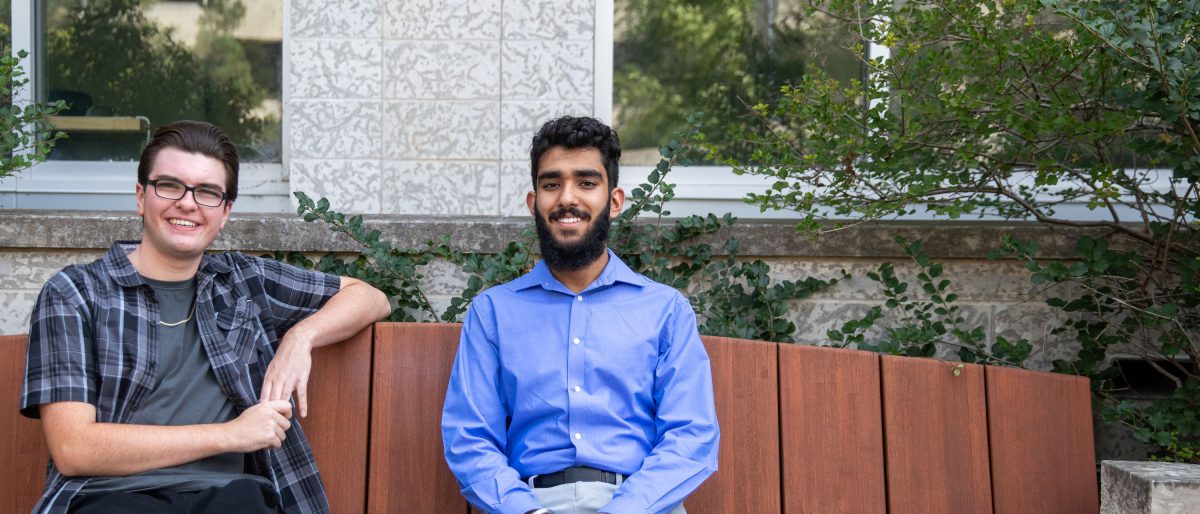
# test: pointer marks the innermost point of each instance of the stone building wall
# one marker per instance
(997, 295)
(427, 107)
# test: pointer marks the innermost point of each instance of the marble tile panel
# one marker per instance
(327, 129)
(15, 308)
(30, 270)
(351, 186)
(515, 183)
(335, 69)
(547, 70)
(440, 187)
(520, 120)
(335, 18)
(550, 19)
(467, 130)
(442, 70)
(442, 19)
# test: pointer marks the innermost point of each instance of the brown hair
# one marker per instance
(199, 137)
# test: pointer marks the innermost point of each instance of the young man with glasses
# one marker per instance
(163, 374)
(582, 386)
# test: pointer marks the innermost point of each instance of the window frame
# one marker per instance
(109, 185)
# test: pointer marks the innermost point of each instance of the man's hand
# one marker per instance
(264, 425)
(288, 372)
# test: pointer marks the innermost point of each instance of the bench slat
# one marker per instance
(744, 386)
(1040, 430)
(22, 444)
(338, 417)
(832, 433)
(408, 471)
(935, 434)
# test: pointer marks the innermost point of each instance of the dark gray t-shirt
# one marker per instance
(187, 394)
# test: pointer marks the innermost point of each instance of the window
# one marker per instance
(127, 67)
(670, 58)
(720, 57)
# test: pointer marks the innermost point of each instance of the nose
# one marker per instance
(568, 197)
(188, 201)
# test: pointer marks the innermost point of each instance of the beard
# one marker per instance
(573, 256)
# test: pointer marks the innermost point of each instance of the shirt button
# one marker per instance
(576, 341)
(580, 298)
(577, 389)
(578, 436)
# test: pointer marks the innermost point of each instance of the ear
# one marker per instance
(225, 215)
(140, 191)
(616, 200)
(531, 201)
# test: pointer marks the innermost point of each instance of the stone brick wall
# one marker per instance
(995, 294)
(427, 107)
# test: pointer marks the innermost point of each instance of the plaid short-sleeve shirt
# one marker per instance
(93, 338)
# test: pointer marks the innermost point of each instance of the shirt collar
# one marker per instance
(615, 271)
(116, 260)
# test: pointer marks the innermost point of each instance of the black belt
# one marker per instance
(575, 474)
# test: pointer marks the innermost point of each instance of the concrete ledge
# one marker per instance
(33, 229)
(1149, 488)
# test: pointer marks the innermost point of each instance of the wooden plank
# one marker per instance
(1040, 431)
(935, 435)
(408, 471)
(338, 419)
(746, 393)
(832, 431)
(22, 443)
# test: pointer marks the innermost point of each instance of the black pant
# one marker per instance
(236, 497)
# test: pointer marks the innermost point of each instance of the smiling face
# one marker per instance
(572, 204)
(179, 231)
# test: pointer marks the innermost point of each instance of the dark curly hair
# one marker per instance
(198, 137)
(572, 132)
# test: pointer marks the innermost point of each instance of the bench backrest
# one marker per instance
(804, 430)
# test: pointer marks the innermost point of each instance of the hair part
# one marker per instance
(198, 137)
(575, 132)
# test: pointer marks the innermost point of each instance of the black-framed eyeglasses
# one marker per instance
(170, 189)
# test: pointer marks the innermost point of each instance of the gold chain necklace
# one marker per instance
(185, 320)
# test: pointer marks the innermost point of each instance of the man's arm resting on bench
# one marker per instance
(81, 446)
(356, 305)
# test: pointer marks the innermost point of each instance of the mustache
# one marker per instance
(562, 213)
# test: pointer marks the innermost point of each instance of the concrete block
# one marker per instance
(335, 69)
(456, 20)
(1149, 488)
(464, 70)
(335, 18)
(549, 19)
(331, 129)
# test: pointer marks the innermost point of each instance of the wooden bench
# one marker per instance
(803, 430)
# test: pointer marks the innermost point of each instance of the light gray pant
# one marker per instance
(580, 498)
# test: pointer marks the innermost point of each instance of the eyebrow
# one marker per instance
(555, 174)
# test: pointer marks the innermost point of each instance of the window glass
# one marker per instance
(127, 67)
(672, 58)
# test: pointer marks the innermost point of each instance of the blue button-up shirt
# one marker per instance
(614, 377)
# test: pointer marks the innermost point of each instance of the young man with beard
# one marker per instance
(162, 374)
(581, 386)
